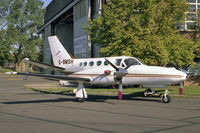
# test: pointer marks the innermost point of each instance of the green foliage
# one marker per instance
(145, 29)
(3, 70)
(5, 55)
(22, 20)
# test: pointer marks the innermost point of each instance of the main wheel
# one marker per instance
(79, 99)
(166, 98)
(148, 92)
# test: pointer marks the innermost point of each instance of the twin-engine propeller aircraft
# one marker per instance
(122, 70)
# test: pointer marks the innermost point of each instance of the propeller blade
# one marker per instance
(117, 69)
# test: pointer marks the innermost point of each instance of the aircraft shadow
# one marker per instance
(138, 96)
(40, 101)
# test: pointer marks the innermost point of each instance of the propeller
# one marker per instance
(118, 75)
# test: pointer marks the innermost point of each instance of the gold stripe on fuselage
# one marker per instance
(130, 75)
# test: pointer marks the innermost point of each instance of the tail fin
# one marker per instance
(59, 54)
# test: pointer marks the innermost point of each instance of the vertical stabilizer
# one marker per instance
(59, 54)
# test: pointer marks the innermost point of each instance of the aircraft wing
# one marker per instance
(60, 77)
(46, 66)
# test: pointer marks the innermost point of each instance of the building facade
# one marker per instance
(191, 16)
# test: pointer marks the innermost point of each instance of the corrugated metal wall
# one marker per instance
(66, 34)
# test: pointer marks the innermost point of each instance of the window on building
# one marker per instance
(192, 1)
(181, 26)
(192, 8)
(190, 25)
(191, 17)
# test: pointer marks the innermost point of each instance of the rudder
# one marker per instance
(59, 54)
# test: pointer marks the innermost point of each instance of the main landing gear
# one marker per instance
(149, 92)
(81, 93)
(165, 98)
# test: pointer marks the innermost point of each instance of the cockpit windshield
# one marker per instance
(131, 62)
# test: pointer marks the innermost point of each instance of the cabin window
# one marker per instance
(91, 63)
(118, 62)
(106, 63)
(85, 63)
(80, 64)
(131, 61)
(99, 63)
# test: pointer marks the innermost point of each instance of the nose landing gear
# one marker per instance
(165, 98)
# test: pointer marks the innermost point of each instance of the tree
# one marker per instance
(22, 19)
(145, 29)
(5, 55)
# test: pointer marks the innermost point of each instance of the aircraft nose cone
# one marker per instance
(183, 74)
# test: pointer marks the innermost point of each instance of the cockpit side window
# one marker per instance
(131, 62)
(123, 65)
(118, 62)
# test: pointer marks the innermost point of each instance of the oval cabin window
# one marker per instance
(99, 63)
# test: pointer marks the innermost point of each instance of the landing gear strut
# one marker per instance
(81, 93)
(165, 98)
(149, 92)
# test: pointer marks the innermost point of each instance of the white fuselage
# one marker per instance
(138, 73)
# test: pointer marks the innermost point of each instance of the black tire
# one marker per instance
(80, 99)
(147, 91)
(166, 99)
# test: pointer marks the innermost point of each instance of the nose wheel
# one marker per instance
(80, 99)
(165, 98)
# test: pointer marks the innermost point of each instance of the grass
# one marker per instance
(188, 91)
(3, 70)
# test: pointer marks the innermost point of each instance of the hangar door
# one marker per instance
(65, 34)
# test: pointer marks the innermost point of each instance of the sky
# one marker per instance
(46, 2)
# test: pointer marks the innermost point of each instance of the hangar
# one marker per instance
(65, 18)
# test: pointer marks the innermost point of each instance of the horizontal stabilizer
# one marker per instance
(60, 77)
(45, 66)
